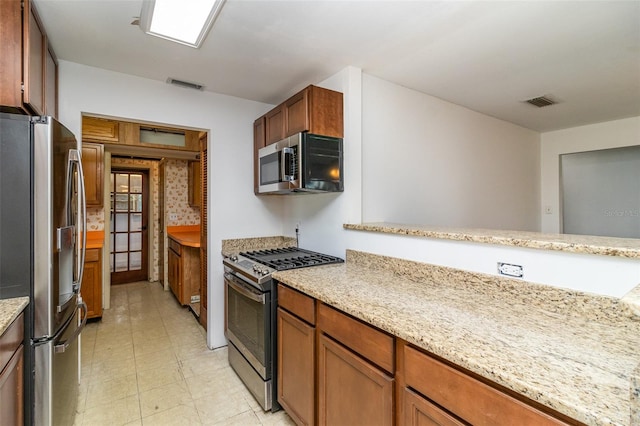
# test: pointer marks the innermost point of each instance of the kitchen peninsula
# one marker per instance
(586, 244)
(572, 352)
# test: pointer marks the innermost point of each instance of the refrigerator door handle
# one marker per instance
(62, 346)
(76, 157)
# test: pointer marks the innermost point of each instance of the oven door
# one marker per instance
(248, 322)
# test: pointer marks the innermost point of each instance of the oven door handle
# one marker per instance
(233, 283)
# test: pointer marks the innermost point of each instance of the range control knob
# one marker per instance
(234, 258)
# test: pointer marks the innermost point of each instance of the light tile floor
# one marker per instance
(146, 363)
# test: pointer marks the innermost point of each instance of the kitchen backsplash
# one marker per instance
(176, 195)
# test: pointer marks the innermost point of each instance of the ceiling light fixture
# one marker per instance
(184, 22)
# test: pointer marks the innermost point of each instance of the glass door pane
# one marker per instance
(128, 228)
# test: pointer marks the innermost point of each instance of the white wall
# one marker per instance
(234, 211)
(431, 162)
(611, 134)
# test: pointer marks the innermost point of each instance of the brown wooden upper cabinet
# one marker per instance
(50, 83)
(92, 164)
(313, 109)
(100, 129)
(194, 182)
(259, 141)
(275, 125)
(116, 132)
(28, 82)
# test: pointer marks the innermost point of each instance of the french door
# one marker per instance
(129, 211)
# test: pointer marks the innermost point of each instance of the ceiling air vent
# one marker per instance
(541, 101)
(186, 84)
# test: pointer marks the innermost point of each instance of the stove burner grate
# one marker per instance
(290, 258)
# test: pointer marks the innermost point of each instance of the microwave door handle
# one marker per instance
(287, 156)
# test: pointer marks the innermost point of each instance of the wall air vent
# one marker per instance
(187, 84)
(541, 101)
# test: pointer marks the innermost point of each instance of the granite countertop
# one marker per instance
(9, 311)
(571, 351)
(234, 246)
(185, 235)
(586, 244)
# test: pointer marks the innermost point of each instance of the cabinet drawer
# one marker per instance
(297, 303)
(175, 246)
(466, 397)
(92, 255)
(11, 340)
(372, 344)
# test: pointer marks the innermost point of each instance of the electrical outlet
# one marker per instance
(173, 216)
(510, 270)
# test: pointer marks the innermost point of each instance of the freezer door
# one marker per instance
(56, 375)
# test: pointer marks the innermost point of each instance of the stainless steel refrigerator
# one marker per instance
(42, 240)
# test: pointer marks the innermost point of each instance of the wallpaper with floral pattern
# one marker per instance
(176, 197)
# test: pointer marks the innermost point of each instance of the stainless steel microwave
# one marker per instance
(303, 162)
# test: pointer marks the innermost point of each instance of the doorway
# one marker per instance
(128, 226)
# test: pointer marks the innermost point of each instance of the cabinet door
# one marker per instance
(175, 275)
(297, 113)
(419, 411)
(11, 23)
(351, 391)
(259, 141)
(275, 125)
(11, 390)
(92, 164)
(326, 112)
(194, 183)
(296, 368)
(91, 288)
(100, 130)
(50, 83)
(34, 47)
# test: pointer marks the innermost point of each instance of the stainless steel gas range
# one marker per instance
(250, 314)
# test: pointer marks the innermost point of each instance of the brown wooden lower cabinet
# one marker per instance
(11, 374)
(364, 376)
(91, 288)
(184, 271)
(296, 367)
(351, 391)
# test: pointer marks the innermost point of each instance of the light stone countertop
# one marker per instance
(235, 246)
(574, 352)
(586, 244)
(9, 311)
